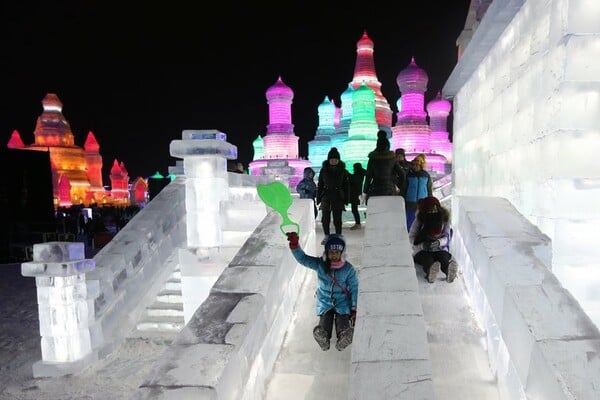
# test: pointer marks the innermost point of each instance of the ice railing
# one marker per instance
(540, 342)
(87, 307)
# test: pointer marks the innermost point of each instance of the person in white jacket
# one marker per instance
(430, 236)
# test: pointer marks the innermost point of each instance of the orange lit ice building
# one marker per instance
(76, 171)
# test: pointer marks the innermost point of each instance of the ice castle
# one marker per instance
(76, 171)
(353, 126)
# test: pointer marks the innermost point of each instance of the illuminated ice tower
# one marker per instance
(341, 131)
(280, 158)
(76, 171)
(53, 133)
(320, 145)
(438, 110)
(411, 131)
(364, 72)
(362, 135)
(259, 148)
(119, 179)
(94, 168)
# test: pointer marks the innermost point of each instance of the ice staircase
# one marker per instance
(164, 317)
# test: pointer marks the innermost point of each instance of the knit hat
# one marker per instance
(427, 204)
(400, 152)
(383, 144)
(335, 242)
(333, 153)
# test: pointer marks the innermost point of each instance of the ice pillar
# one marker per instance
(205, 154)
(65, 307)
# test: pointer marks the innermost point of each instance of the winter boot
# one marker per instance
(433, 271)
(345, 338)
(452, 270)
(355, 226)
(320, 336)
(324, 240)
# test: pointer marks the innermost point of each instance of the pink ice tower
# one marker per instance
(280, 141)
(280, 157)
(411, 131)
(364, 72)
(438, 110)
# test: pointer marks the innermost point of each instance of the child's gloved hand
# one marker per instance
(431, 245)
(293, 238)
(353, 317)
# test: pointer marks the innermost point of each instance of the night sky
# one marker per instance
(138, 73)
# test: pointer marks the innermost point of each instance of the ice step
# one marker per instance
(176, 275)
(161, 324)
(159, 309)
(170, 296)
(173, 284)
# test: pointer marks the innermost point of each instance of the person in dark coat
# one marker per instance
(382, 169)
(356, 184)
(307, 188)
(404, 165)
(333, 190)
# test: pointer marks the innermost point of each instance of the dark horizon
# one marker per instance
(138, 75)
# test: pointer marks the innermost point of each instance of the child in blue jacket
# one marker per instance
(337, 290)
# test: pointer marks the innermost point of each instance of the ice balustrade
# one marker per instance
(87, 307)
(540, 342)
(390, 352)
(131, 269)
(526, 126)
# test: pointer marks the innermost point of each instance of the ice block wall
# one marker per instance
(527, 123)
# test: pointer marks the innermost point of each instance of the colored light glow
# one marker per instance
(438, 110)
(363, 122)
(362, 134)
(279, 97)
(364, 73)
(281, 146)
(259, 148)
(15, 141)
(326, 111)
(279, 143)
(80, 167)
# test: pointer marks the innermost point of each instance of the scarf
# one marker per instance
(337, 264)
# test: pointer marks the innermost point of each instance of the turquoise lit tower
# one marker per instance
(341, 132)
(362, 135)
(259, 148)
(320, 145)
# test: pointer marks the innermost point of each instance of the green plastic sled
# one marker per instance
(277, 196)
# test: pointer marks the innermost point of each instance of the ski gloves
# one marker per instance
(293, 238)
(431, 245)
